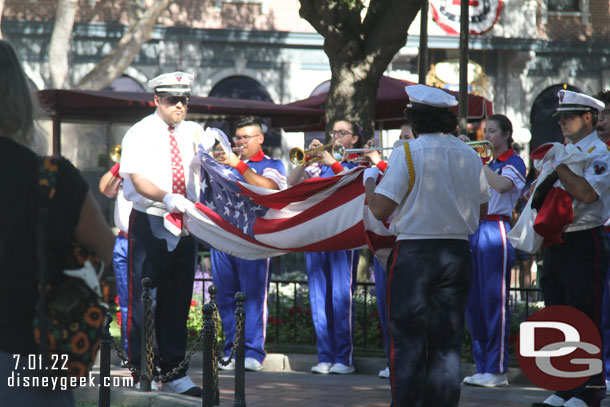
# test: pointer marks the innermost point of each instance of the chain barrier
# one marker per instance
(150, 355)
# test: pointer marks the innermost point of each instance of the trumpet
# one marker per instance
(484, 148)
(115, 153)
(298, 156)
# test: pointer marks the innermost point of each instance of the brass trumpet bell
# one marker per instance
(115, 153)
(484, 148)
(298, 156)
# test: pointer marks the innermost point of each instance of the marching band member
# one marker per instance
(331, 275)
(156, 153)
(487, 313)
(232, 274)
(437, 188)
(575, 269)
(111, 185)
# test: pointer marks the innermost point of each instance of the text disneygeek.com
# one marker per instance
(64, 383)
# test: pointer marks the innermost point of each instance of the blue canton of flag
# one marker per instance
(219, 192)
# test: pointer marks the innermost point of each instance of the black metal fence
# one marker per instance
(290, 325)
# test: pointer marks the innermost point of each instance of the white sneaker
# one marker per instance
(322, 368)
(253, 365)
(490, 380)
(153, 386)
(340, 368)
(385, 373)
(471, 379)
(575, 402)
(184, 385)
(230, 366)
(554, 400)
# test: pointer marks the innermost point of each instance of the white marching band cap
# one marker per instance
(577, 102)
(422, 96)
(175, 82)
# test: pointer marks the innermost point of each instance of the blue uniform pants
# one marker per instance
(121, 267)
(331, 278)
(488, 313)
(231, 275)
(381, 278)
(428, 283)
(172, 274)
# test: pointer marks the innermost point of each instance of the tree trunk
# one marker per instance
(359, 51)
(352, 96)
(60, 41)
(115, 63)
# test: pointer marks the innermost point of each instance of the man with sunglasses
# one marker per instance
(159, 180)
(575, 269)
(232, 274)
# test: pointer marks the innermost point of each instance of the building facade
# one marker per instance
(262, 49)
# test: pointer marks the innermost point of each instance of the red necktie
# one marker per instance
(178, 183)
(174, 220)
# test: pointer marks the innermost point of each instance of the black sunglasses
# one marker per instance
(173, 100)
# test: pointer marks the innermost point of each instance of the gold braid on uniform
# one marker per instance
(410, 166)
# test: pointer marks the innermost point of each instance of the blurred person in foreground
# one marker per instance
(73, 215)
(430, 267)
(603, 132)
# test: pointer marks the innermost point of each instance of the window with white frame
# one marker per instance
(264, 4)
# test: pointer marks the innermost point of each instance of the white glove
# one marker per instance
(175, 203)
(372, 172)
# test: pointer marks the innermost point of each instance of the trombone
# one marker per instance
(298, 156)
(484, 148)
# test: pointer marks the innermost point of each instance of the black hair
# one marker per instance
(505, 127)
(604, 96)
(431, 120)
(356, 130)
(245, 121)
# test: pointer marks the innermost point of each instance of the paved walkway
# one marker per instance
(286, 382)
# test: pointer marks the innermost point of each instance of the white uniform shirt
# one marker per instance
(504, 203)
(122, 210)
(146, 151)
(597, 174)
(449, 187)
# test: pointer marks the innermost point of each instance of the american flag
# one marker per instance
(319, 214)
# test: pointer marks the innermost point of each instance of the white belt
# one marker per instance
(151, 210)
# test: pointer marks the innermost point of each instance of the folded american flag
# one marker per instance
(320, 214)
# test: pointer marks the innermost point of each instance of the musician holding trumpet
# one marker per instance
(232, 274)
(487, 313)
(330, 275)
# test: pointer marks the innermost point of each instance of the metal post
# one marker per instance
(463, 102)
(104, 396)
(365, 320)
(208, 358)
(240, 353)
(145, 373)
(423, 43)
(213, 290)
